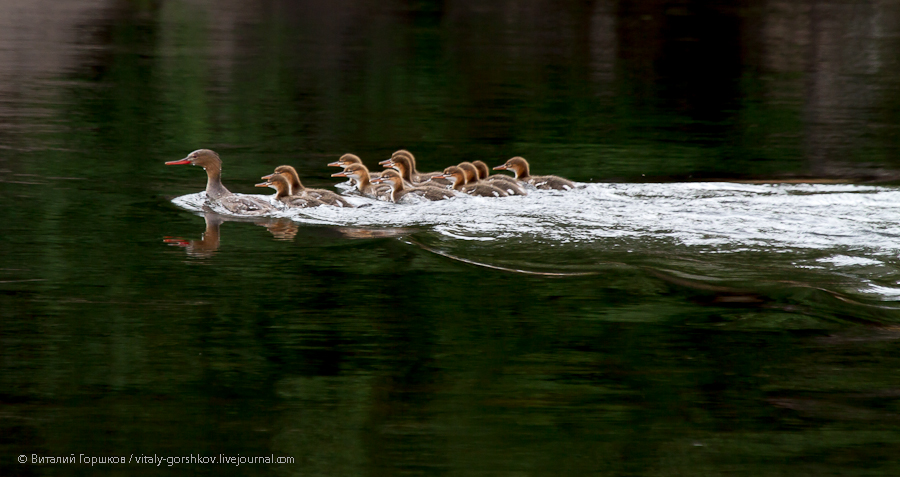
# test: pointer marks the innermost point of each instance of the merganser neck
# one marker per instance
(214, 188)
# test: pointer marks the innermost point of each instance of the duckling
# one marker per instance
(298, 190)
(507, 183)
(346, 161)
(457, 176)
(519, 166)
(393, 178)
(415, 177)
(365, 186)
(283, 192)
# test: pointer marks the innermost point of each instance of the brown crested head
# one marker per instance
(286, 169)
(455, 174)
(516, 164)
(291, 174)
(391, 176)
(356, 171)
(406, 154)
(278, 182)
(470, 170)
(399, 162)
(205, 158)
(483, 169)
(346, 160)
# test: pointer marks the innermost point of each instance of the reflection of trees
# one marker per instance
(786, 82)
(845, 52)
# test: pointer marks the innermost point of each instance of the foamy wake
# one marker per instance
(848, 226)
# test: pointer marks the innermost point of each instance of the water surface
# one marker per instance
(720, 297)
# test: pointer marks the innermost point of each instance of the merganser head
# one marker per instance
(278, 182)
(204, 158)
(517, 164)
(286, 170)
(483, 170)
(390, 176)
(291, 175)
(405, 154)
(354, 171)
(455, 175)
(399, 163)
(346, 160)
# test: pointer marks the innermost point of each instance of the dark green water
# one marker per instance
(385, 350)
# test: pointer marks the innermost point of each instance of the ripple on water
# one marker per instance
(846, 226)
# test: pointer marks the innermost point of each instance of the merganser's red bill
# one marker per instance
(176, 241)
(384, 162)
(178, 162)
(262, 184)
(335, 164)
(339, 174)
(501, 167)
(267, 177)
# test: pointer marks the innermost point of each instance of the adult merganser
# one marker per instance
(346, 161)
(457, 176)
(507, 183)
(216, 192)
(283, 192)
(519, 166)
(297, 188)
(393, 178)
(363, 182)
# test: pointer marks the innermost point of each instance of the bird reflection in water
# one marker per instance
(282, 229)
(209, 241)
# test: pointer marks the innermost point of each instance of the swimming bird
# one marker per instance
(282, 187)
(365, 186)
(519, 166)
(216, 192)
(505, 182)
(346, 161)
(457, 176)
(416, 177)
(398, 191)
(297, 188)
(402, 164)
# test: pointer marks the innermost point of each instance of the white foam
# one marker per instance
(855, 226)
(736, 216)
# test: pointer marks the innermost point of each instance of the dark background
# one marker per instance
(360, 354)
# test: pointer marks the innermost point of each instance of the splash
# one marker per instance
(849, 228)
